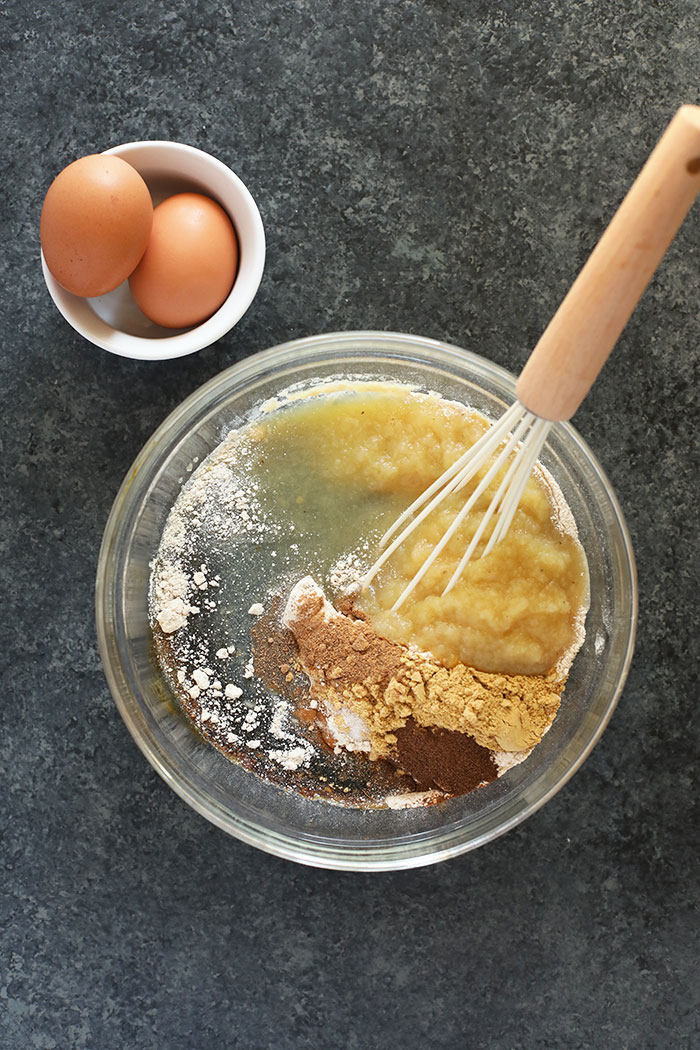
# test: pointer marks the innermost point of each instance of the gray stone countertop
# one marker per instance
(425, 166)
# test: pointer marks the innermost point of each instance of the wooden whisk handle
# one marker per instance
(578, 339)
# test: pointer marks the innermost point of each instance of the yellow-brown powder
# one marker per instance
(501, 712)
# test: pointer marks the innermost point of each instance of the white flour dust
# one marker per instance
(215, 674)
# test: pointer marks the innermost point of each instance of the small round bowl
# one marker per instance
(284, 822)
(114, 321)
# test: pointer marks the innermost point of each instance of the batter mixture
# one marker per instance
(331, 693)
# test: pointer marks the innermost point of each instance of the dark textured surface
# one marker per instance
(432, 167)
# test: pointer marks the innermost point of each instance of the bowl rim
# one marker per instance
(270, 841)
(251, 264)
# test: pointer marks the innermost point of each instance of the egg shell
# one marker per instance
(189, 266)
(95, 224)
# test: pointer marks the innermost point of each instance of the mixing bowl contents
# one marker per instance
(284, 663)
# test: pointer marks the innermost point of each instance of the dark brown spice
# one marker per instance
(443, 758)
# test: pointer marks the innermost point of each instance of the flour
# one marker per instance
(348, 729)
(346, 572)
(219, 493)
(213, 493)
(414, 799)
(220, 501)
(170, 604)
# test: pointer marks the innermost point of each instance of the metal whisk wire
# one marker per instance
(531, 435)
(521, 431)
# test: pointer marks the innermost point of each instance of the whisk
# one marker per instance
(571, 352)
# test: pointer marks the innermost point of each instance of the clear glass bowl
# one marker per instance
(283, 822)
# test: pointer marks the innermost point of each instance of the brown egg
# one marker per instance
(190, 264)
(95, 224)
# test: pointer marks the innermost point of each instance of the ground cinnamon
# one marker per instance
(342, 651)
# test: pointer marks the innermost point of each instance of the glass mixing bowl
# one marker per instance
(284, 822)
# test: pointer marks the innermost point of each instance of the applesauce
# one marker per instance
(517, 611)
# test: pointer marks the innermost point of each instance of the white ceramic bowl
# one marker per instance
(114, 321)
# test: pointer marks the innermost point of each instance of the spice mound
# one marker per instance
(448, 728)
